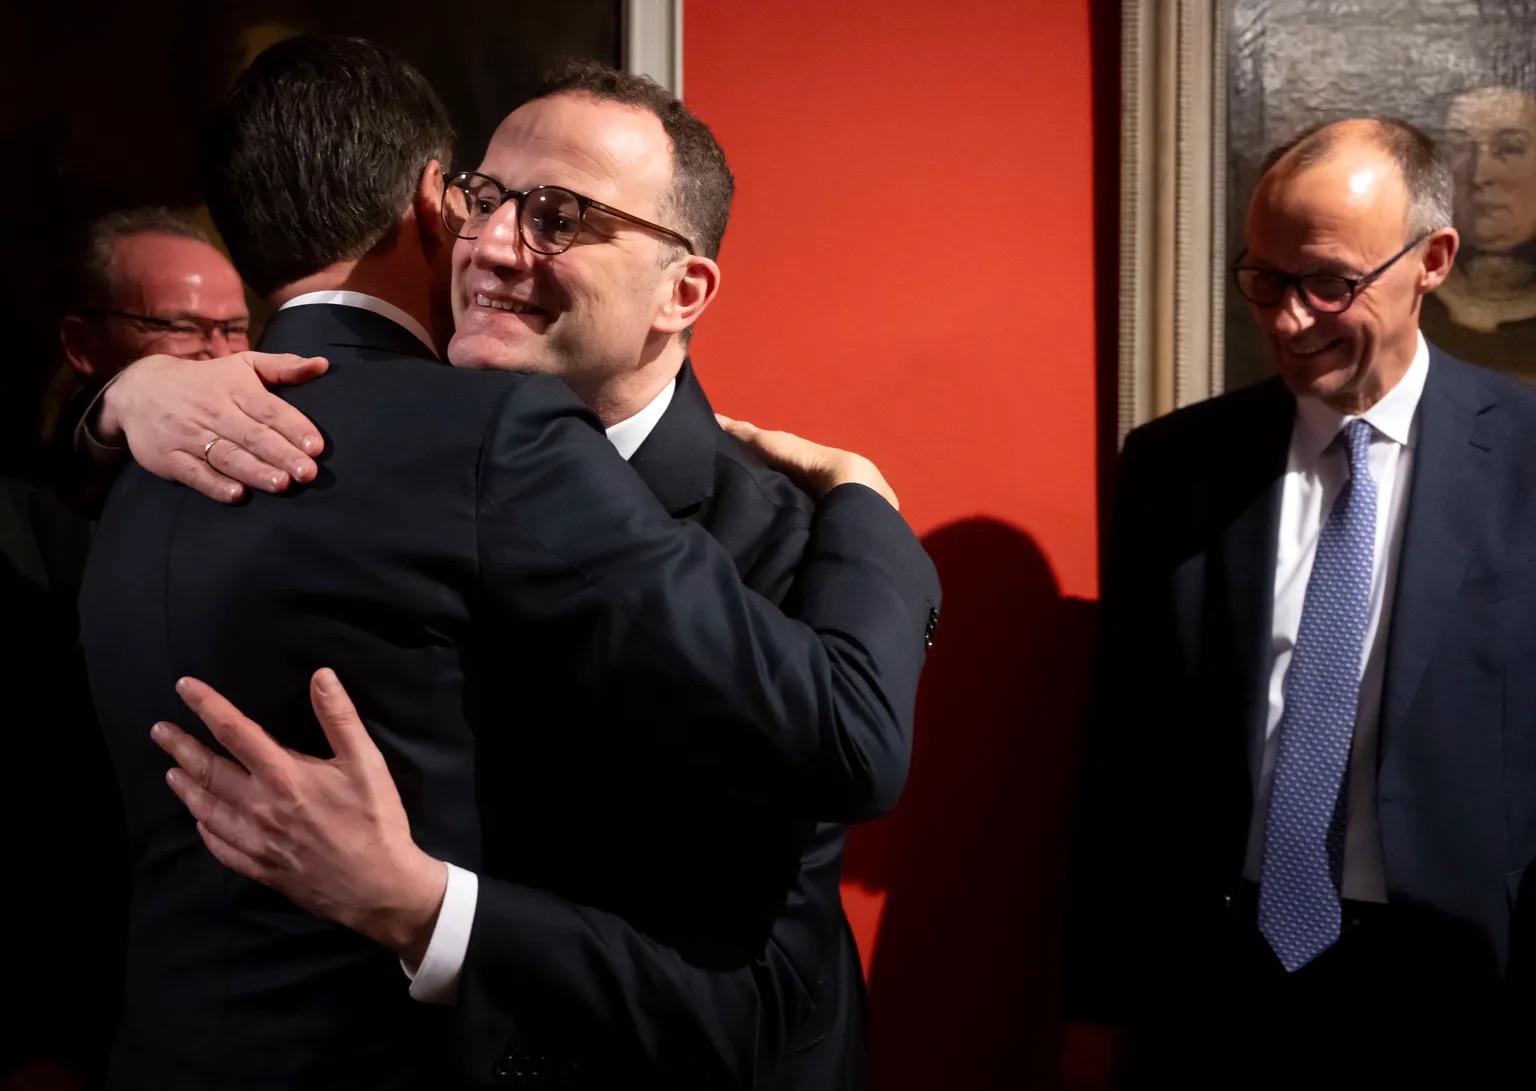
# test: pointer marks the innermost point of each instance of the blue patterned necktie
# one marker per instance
(1304, 834)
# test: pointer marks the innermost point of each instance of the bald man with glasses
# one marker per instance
(1310, 797)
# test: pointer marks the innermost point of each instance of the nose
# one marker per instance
(218, 342)
(1482, 169)
(1291, 315)
(500, 243)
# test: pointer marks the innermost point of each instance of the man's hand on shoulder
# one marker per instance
(815, 468)
(213, 424)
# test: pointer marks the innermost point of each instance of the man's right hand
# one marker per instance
(213, 424)
(1095, 1057)
(817, 469)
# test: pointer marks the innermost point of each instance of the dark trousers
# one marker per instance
(1401, 1000)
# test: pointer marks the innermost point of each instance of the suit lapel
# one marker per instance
(1446, 493)
(1241, 588)
(677, 460)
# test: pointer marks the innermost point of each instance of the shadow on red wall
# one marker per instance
(963, 986)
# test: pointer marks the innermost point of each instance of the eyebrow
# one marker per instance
(1325, 267)
(1507, 130)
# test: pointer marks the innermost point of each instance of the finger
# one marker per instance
(286, 369)
(741, 429)
(193, 472)
(218, 776)
(785, 449)
(229, 822)
(339, 720)
(233, 461)
(232, 857)
(245, 739)
(272, 430)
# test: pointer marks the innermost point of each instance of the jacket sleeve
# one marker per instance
(814, 708)
(550, 985)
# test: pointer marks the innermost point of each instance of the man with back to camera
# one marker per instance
(1310, 797)
(606, 232)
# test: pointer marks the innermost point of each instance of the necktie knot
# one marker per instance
(1357, 441)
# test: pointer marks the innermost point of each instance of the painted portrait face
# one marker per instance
(1491, 141)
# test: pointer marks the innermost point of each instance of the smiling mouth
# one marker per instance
(506, 305)
(1305, 352)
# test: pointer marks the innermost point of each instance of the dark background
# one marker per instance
(101, 103)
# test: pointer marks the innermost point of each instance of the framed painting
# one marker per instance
(1211, 85)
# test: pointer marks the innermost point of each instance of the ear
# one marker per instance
(78, 339)
(1439, 256)
(694, 283)
(428, 207)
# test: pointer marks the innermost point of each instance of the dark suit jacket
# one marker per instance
(455, 510)
(1187, 606)
(742, 970)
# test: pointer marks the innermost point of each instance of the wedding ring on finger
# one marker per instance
(208, 448)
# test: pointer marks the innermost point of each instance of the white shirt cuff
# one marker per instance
(88, 444)
(436, 980)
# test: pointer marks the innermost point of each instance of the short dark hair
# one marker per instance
(1422, 165)
(93, 282)
(315, 152)
(702, 186)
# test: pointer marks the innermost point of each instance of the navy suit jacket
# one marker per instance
(455, 512)
(1181, 694)
(733, 962)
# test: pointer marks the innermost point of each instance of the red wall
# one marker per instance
(909, 272)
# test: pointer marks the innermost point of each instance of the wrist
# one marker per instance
(107, 422)
(403, 919)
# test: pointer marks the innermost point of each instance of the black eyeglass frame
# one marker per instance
(1356, 285)
(168, 325)
(583, 204)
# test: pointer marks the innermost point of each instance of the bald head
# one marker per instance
(1400, 148)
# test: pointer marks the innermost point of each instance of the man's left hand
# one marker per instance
(331, 835)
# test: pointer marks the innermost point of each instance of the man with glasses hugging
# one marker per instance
(1310, 797)
(666, 923)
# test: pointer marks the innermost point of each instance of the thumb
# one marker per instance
(286, 369)
(338, 717)
(742, 430)
(783, 451)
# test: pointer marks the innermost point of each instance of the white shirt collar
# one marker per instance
(629, 434)
(366, 302)
(626, 436)
(1392, 416)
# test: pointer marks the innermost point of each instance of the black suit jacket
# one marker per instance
(741, 971)
(1181, 695)
(454, 511)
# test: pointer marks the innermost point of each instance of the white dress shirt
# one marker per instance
(1315, 473)
(436, 980)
